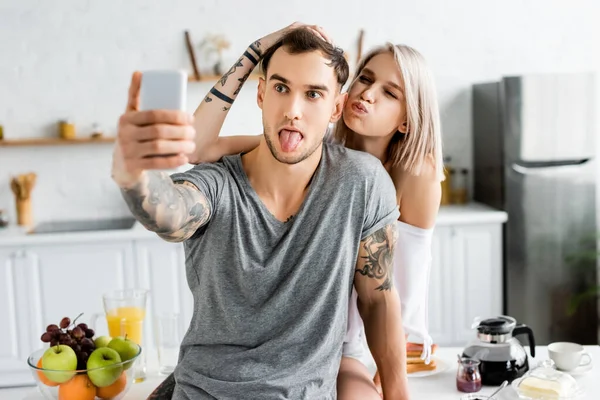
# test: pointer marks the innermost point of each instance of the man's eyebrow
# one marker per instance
(286, 81)
(392, 84)
(280, 78)
(322, 88)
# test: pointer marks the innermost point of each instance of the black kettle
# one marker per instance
(501, 355)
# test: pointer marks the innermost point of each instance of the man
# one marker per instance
(273, 238)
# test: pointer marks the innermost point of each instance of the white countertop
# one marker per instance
(441, 386)
(473, 213)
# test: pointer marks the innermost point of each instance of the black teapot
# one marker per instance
(501, 355)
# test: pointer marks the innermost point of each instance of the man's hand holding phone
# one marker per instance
(151, 139)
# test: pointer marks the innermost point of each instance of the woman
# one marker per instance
(391, 113)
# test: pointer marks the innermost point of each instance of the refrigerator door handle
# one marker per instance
(528, 168)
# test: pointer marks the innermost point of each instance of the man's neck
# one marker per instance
(281, 187)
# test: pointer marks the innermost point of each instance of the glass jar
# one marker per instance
(66, 129)
(468, 376)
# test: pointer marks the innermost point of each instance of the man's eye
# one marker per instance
(280, 88)
(313, 95)
(364, 79)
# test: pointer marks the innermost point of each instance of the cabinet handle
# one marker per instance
(18, 254)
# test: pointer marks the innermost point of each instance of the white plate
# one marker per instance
(440, 367)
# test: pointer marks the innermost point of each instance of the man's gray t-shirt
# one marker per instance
(271, 297)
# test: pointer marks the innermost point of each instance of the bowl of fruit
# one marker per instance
(76, 365)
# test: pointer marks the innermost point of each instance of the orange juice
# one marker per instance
(126, 321)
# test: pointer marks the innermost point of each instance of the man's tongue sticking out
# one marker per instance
(289, 140)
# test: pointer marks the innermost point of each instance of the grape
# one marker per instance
(52, 328)
(89, 333)
(88, 344)
(65, 339)
(54, 342)
(76, 348)
(65, 322)
(83, 326)
(77, 333)
(46, 337)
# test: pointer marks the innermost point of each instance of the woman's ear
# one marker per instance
(403, 129)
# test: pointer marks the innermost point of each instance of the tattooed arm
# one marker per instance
(212, 111)
(153, 140)
(174, 211)
(210, 114)
(379, 307)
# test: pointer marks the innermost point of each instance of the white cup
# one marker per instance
(568, 356)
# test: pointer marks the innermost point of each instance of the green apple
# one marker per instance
(126, 348)
(59, 358)
(102, 341)
(104, 367)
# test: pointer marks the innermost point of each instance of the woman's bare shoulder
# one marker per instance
(418, 195)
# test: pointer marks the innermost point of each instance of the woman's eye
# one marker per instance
(391, 94)
(313, 95)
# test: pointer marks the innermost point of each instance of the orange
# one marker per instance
(108, 392)
(43, 377)
(78, 388)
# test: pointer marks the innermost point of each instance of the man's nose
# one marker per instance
(293, 109)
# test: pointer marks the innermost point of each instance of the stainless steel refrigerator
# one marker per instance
(535, 156)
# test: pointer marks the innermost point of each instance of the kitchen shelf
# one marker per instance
(55, 141)
(215, 78)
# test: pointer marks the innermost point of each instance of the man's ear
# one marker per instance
(260, 95)
(338, 107)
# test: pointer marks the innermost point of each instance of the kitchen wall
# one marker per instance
(73, 59)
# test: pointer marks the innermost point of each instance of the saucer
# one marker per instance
(579, 370)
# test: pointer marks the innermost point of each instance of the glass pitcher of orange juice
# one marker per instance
(125, 311)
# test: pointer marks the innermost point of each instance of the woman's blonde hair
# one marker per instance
(423, 139)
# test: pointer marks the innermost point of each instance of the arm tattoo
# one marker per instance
(170, 210)
(223, 79)
(379, 261)
(242, 80)
(207, 99)
(256, 48)
(221, 96)
(165, 390)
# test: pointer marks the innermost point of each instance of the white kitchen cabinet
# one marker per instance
(44, 283)
(69, 279)
(16, 334)
(466, 280)
(160, 268)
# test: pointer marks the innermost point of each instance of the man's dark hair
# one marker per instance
(301, 40)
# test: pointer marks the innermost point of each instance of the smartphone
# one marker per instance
(163, 90)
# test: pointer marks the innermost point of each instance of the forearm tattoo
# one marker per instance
(256, 48)
(165, 390)
(241, 80)
(171, 210)
(379, 261)
(235, 66)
